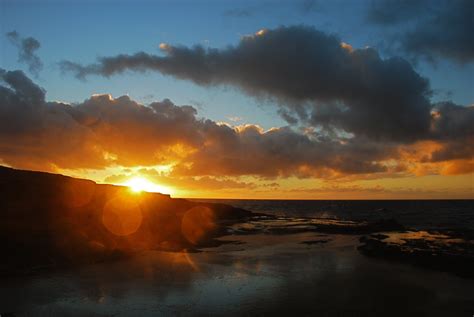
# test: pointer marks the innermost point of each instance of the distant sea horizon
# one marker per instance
(321, 199)
(414, 213)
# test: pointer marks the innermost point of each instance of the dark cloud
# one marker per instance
(438, 29)
(36, 134)
(27, 48)
(452, 126)
(451, 121)
(99, 132)
(459, 149)
(280, 152)
(356, 110)
(389, 12)
(103, 131)
(304, 70)
(446, 34)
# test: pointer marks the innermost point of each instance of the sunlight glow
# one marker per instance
(347, 47)
(141, 184)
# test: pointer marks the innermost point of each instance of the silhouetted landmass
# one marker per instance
(50, 221)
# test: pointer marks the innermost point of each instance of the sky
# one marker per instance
(243, 99)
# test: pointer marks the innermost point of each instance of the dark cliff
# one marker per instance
(50, 220)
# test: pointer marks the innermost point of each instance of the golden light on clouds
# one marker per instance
(167, 148)
(347, 47)
(141, 184)
(165, 47)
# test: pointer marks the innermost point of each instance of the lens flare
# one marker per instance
(197, 224)
(122, 216)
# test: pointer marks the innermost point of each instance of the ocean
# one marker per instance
(257, 273)
(416, 214)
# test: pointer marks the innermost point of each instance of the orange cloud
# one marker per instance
(458, 167)
(104, 132)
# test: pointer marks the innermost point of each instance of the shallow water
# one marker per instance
(261, 275)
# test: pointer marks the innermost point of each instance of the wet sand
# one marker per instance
(256, 274)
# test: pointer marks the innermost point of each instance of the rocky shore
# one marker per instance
(50, 221)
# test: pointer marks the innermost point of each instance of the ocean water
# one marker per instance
(417, 214)
(262, 274)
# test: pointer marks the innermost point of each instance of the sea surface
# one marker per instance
(259, 274)
(265, 275)
(416, 214)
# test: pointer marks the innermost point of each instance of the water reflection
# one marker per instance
(273, 274)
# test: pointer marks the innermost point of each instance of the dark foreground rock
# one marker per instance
(311, 242)
(449, 251)
(50, 221)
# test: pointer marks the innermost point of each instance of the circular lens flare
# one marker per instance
(122, 216)
(197, 224)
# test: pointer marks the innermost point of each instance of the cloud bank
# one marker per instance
(103, 131)
(314, 78)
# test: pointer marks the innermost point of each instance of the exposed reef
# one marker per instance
(440, 250)
(268, 224)
(444, 250)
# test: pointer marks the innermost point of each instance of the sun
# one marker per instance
(140, 184)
